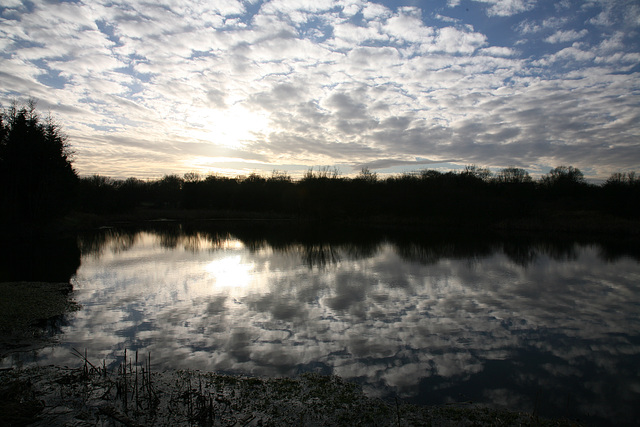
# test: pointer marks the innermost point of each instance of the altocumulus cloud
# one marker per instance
(241, 86)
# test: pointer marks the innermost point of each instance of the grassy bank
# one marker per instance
(134, 396)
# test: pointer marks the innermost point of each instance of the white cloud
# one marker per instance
(453, 40)
(554, 22)
(375, 11)
(286, 7)
(413, 83)
(347, 34)
(499, 51)
(566, 36)
(508, 7)
(408, 27)
(617, 14)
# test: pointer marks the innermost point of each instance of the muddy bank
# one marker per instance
(133, 396)
(31, 313)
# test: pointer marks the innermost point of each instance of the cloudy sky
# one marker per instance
(228, 86)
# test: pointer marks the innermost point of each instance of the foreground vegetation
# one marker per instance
(132, 395)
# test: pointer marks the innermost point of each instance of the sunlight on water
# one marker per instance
(230, 272)
(430, 322)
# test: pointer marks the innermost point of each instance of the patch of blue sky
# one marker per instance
(21, 43)
(251, 9)
(92, 101)
(102, 128)
(134, 89)
(131, 70)
(195, 54)
(52, 78)
(317, 30)
(108, 30)
(12, 12)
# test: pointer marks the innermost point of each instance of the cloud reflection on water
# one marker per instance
(500, 323)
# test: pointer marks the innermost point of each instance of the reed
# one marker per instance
(135, 393)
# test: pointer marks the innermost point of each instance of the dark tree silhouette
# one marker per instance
(564, 176)
(37, 179)
(622, 194)
(513, 175)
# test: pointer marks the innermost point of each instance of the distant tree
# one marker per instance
(563, 176)
(191, 177)
(622, 194)
(96, 194)
(367, 176)
(280, 176)
(37, 178)
(323, 172)
(254, 178)
(168, 191)
(513, 175)
(476, 172)
(622, 179)
(430, 174)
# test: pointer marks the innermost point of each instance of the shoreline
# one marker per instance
(571, 222)
(30, 312)
(134, 396)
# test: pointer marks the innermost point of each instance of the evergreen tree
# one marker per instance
(37, 179)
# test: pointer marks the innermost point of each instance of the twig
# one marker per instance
(76, 353)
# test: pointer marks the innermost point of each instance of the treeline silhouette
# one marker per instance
(38, 184)
(472, 195)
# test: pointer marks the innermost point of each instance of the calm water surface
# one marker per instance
(533, 325)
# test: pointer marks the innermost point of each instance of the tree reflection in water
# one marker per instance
(430, 318)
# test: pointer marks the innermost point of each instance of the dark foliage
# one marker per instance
(39, 259)
(472, 196)
(38, 180)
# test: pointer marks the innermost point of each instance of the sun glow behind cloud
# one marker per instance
(233, 127)
(145, 89)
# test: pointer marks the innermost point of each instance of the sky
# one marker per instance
(145, 89)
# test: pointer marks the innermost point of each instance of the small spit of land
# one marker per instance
(28, 312)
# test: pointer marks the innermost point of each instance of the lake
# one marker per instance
(544, 325)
